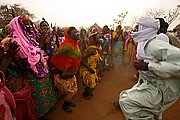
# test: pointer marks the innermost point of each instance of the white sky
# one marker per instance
(86, 12)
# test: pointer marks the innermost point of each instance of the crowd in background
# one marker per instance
(35, 59)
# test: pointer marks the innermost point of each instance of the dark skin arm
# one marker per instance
(13, 49)
(43, 39)
(141, 65)
(85, 58)
(2, 52)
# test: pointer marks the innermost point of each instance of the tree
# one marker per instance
(7, 12)
(169, 16)
(133, 21)
(120, 18)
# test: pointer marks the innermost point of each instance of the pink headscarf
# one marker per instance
(128, 39)
(34, 54)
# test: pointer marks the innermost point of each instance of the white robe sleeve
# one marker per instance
(165, 69)
(167, 56)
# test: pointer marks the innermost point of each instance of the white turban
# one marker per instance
(147, 29)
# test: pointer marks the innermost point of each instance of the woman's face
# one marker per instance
(97, 39)
(29, 27)
(74, 34)
(44, 26)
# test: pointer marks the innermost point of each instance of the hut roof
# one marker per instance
(97, 27)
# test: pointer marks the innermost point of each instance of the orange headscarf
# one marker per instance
(68, 56)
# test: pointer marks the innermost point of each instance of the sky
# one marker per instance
(84, 13)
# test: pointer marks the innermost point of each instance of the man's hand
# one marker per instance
(141, 65)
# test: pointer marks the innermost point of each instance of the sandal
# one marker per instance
(71, 104)
(66, 109)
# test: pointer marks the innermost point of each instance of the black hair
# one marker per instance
(166, 25)
(70, 29)
(163, 26)
(94, 36)
(162, 21)
(44, 21)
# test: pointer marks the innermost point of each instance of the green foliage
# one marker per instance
(120, 18)
(7, 12)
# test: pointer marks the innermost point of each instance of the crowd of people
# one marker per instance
(41, 65)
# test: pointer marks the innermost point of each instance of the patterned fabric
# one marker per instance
(42, 93)
(37, 75)
(90, 80)
(68, 56)
(68, 87)
(24, 103)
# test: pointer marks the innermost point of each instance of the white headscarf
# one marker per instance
(147, 29)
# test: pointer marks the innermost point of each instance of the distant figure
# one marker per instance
(118, 44)
(83, 40)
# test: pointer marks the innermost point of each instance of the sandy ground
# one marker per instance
(99, 107)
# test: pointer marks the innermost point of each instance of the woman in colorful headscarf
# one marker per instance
(89, 68)
(44, 36)
(66, 61)
(35, 68)
(128, 49)
(118, 43)
(106, 47)
(15, 82)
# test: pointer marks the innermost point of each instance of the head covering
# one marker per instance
(147, 29)
(93, 32)
(118, 28)
(26, 19)
(43, 21)
(105, 30)
(68, 56)
(36, 57)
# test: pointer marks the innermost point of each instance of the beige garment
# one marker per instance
(68, 87)
(173, 40)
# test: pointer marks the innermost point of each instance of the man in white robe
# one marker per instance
(158, 86)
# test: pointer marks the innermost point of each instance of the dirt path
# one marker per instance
(99, 107)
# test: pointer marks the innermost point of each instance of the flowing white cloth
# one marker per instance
(158, 88)
(147, 29)
(163, 37)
